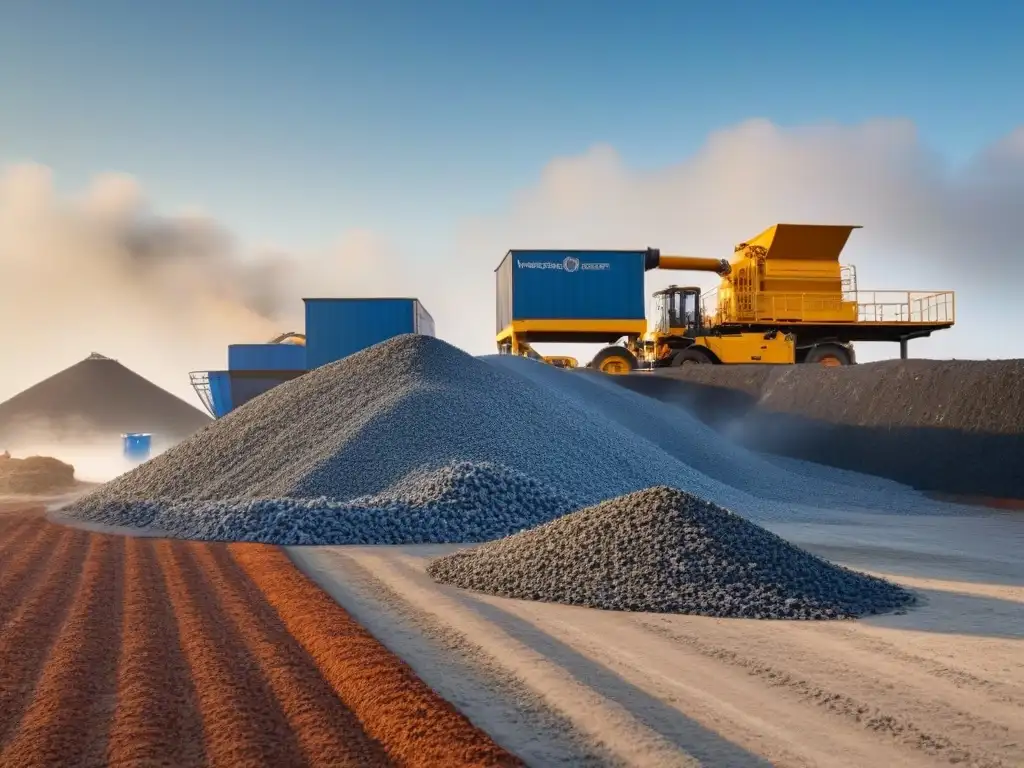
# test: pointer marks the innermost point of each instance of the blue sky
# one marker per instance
(453, 130)
(294, 121)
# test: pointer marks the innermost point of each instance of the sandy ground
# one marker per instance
(940, 684)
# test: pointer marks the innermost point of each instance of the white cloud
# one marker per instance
(165, 294)
(926, 225)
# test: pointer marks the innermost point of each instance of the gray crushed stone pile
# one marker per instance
(351, 451)
(666, 551)
(461, 502)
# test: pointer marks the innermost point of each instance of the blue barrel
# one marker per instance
(137, 446)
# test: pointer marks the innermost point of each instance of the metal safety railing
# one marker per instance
(848, 281)
(709, 302)
(911, 307)
(201, 384)
(875, 307)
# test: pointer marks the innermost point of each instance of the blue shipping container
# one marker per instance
(137, 446)
(570, 285)
(266, 357)
(337, 328)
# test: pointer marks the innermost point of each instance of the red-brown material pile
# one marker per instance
(34, 475)
(128, 651)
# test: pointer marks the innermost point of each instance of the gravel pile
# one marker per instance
(666, 551)
(683, 435)
(954, 426)
(374, 424)
(459, 503)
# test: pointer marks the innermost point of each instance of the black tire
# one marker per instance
(691, 356)
(614, 360)
(831, 355)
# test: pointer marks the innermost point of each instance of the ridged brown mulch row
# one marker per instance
(124, 651)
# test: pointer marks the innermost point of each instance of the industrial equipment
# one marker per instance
(335, 328)
(783, 298)
(561, 361)
(291, 337)
(252, 370)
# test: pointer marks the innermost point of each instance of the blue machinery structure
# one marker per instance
(335, 328)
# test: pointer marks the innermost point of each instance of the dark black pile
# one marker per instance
(663, 550)
(96, 398)
(953, 426)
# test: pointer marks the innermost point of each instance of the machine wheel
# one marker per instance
(691, 356)
(829, 355)
(614, 360)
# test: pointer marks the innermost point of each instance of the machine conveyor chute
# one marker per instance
(804, 242)
(291, 337)
(656, 260)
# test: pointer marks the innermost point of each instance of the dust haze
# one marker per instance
(102, 272)
(95, 453)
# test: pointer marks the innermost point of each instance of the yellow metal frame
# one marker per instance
(611, 327)
(874, 308)
(562, 361)
(732, 349)
(800, 242)
(790, 274)
(751, 348)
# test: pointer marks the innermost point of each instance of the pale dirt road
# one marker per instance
(942, 684)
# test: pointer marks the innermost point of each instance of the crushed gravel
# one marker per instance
(377, 431)
(461, 502)
(666, 551)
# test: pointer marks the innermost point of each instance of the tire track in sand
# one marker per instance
(901, 729)
(995, 689)
(68, 719)
(416, 726)
(324, 729)
(27, 637)
(156, 721)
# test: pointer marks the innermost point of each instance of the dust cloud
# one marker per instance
(95, 461)
(163, 295)
(97, 455)
(100, 273)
